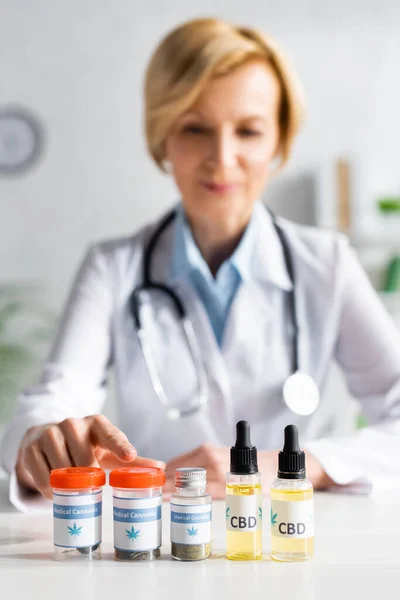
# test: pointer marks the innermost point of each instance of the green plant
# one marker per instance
(361, 421)
(389, 204)
(25, 326)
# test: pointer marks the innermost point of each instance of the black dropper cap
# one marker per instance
(243, 454)
(291, 460)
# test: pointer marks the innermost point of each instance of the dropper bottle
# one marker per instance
(292, 520)
(243, 500)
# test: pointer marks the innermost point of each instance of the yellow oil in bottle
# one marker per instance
(291, 549)
(244, 545)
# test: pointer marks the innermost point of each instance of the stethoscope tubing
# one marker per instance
(149, 285)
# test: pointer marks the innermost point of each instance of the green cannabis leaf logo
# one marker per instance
(132, 534)
(227, 513)
(274, 517)
(260, 513)
(75, 530)
(193, 532)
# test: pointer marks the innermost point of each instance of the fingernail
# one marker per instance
(161, 465)
(128, 450)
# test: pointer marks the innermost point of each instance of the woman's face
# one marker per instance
(221, 149)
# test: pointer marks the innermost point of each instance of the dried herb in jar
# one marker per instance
(137, 512)
(88, 549)
(190, 551)
(141, 555)
(190, 516)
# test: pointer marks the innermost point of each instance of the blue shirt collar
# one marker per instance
(186, 256)
(258, 255)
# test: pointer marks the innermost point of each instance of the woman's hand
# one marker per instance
(217, 462)
(268, 466)
(213, 458)
(316, 473)
(90, 442)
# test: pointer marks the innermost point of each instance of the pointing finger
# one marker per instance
(110, 461)
(110, 438)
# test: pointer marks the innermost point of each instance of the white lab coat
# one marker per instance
(340, 317)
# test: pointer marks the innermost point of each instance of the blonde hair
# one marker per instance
(196, 51)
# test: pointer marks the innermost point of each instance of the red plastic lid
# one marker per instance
(77, 478)
(137, 477)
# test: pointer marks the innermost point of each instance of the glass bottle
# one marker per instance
(243, 500)
(137, 499)
(292, 516)
(77, 512)
(190, 516)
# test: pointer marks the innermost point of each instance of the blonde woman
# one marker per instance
(222, 109)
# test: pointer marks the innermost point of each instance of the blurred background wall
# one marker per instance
(78, 65)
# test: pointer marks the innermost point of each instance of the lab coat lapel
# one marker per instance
(247, 325)
(246, 331)
(248, 337)
(250, 311)
(210, 351)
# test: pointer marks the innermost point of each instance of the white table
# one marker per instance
(357, 555)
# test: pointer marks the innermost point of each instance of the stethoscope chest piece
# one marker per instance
(301, 393)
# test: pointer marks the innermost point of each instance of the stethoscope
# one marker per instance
(300, 392)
